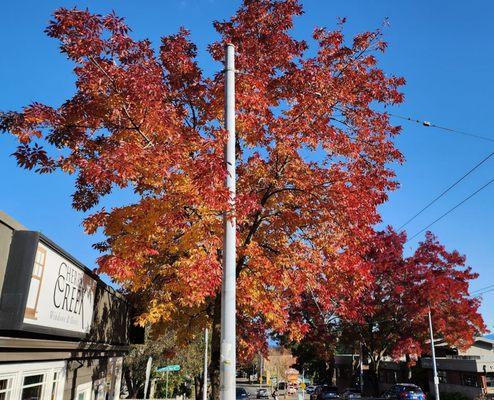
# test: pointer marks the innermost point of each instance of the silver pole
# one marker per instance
(228, 347)
(205, 378)
(260, 371)
(433, 351)
(361, 370)
(148, 374)
(166, 389)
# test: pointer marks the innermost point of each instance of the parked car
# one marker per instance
(310, 389)
(292, 389)
(328, 393)
(351, 394)
(404, 391)
(241, 394)
(262, 394)
(315, 392)
(282, 388)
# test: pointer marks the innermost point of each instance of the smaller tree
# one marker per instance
(164, 351)
(394, 308)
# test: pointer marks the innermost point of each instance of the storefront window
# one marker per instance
(32, 387)
(54, 386)
(489, 380)
(443, 376)
(5, 388)
(470, 380)
(32, 381)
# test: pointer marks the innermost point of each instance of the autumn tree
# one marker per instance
(394, 307)
(313, 155)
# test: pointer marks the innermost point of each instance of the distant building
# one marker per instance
(63, 331)
(470, 372)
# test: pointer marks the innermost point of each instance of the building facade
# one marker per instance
(470, 372)
(63, 331)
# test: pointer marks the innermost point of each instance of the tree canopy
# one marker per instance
(313, 161)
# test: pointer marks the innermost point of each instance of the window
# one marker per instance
(32, 381)
(36, 280)
(55, 385)
(470, 380)
(32, 387)
(84, 391)
(5, 388)
(489, 379)
(443, 376)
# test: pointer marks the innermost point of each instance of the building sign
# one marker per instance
(61, 294)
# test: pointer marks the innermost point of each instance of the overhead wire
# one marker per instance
(429, 124)
(444, 128)
(447, 190)
(451, 209)
(481, 293)
(482, 289)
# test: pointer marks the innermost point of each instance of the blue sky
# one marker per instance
(443, 49)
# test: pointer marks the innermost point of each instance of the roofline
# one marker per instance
(11, 222)
(484, 339)
(17, 226)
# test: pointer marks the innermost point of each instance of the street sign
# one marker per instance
(169, 368)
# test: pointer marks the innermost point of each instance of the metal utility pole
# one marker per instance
(205, 378)
(433, 351)
(228, 345)
(361, 380)
(260, 371)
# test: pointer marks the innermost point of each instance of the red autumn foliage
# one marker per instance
(394, 308)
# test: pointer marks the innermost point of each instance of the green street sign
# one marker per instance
(169, 368)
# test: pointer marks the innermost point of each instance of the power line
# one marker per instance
(485, 291)
(429, 124)
(451, 210)
(482, 289)
(446, 190)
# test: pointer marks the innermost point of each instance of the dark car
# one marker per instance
(327, 392)
(310, 389)
(404, 391)
(351, 394)
(315, 393)
(241, 394)
(262, 394)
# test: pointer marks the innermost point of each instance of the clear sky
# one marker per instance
(444, 50)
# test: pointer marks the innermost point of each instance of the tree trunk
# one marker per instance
(214, 364)
(132, 387)
(374, 375)
(198, 387)
(332, 371)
